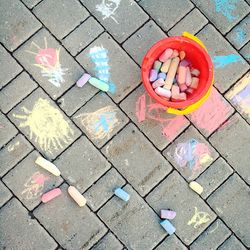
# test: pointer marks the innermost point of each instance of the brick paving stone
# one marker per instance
(5, 194)
(240, 34)
(61, 21)
(17, 23)
(56, 74)
(174, 193)
(161, 128)
(100, 119)
(140, 42)
(191, 23)
(231, 202)
(245, 52)
(87, 164)
(229, 65)
(14, 92)
(136, 159)
(211, 114)
(238, 95)
(232, 141)
(19, 231)
(223, 14)
(176, 154)
(214, 176)
(9, 66)
(166, 13)
(68, 225)
(133, 222)
(108, 242)
(82, 36)
(170, 242)
(28, 181)
(232, 244)
(13, 152)
(31, 3)
(120, 18)
(213, 237)
(103, 189)
(117, 68)
(7, 130)
(44, 124)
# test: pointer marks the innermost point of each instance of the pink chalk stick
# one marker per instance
(168, 214)
(83, 80)
(158, 83)
(182, 72)
(188, 77)
(163, 92)
(194, 83)
(51, 195)
(175, 91)
(190, 91)
(166, 55)
(183, 87)
(182, 96)
(175, 54)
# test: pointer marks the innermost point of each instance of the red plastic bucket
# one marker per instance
(195, 53)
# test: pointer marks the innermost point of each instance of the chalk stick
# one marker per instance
(182, 55)
(157, 65)
(51, 195)
(171, 72)
(195, 72)
(196, 187)
(195, 82)
(182, 72)
(163, 92)
(99, 84)
(175, 54)
(168, 214)
(170, 229)
(158, 83)
(77, 196)
(49, 166)
(162, 75)
(188, 77)
(166, 55)
(122, 194)
(83, 80)
(153, 75)
(165, 66)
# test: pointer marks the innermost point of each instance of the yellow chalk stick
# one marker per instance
(49, 166)
(196, 187)
(77, 196)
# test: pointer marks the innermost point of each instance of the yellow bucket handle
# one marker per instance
(196, 105)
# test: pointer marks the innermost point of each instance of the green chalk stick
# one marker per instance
(99, 84)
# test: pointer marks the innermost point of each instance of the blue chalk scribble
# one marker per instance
(240, 35)
(226, 8)
(222, 61)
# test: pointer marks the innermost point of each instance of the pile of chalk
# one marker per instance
(173, 77)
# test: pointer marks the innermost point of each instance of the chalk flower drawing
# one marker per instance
(33, 187)
(108, 8)
(100, 123)
(48, 60)
(226, 8)
(47, 124)
(199, 218)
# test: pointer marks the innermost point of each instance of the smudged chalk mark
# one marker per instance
(12, 147)
(240, 35)
(226, 8)
(223, 61)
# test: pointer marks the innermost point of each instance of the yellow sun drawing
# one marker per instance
(47, 124)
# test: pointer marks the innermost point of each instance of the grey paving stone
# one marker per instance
(231, 244)
(213, 237)
(49, 63)
(114, 66)
(136, 159)
(191, 23)
(161, 128)
(19, 231)
(190, 163)
(86, 164)
(171, 242)
(100, 119)
(120, 18)
(9, 67)
(44, 124)
(16, 24)
(28, 181)
(133, 222)
(13, 152)
(232, 141)
(192, 213)
(229, 65)
(245, 52)
(31, 3)
(141, 41)
(14, 92)
(68, 15)
(108, 242)
(223, 14)
(82, 36)
(212, 178)
(240, 34)
(103, 189)
(166, 13)
(5, 194)
(231, 202)
(72, 226)
(7, 130)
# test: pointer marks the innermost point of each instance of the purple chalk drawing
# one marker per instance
(243, 95)
(226, 8)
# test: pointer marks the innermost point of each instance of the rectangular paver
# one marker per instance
(5, 194)
(108, 242)
(170, 242)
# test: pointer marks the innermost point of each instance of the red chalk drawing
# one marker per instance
(46, 57)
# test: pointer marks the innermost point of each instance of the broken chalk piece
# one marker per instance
(158, 83)
(182, 55)
(99, 84)
(168, 214)
(163, 92)
(196, 187)
(166, 55)
(83, 80)
(153, 75)
(195, 82)
(77, 196)
(122, 194)
(49, 166)
(51, 195)
(168, 227)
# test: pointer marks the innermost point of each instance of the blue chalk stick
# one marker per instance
(122, 194)
(162, 75)
(168, 227)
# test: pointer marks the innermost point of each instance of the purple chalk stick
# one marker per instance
(83, 80)
(153, 75)
(184, 63)
(168, 214)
